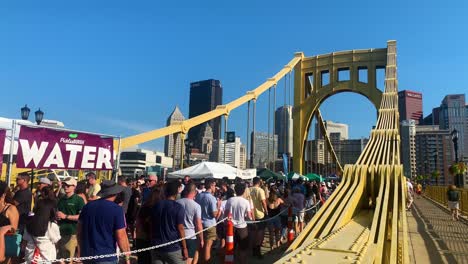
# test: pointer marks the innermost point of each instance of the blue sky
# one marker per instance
(120, 67)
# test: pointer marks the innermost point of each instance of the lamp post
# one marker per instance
(458, 177)
(39, 115)
(188, 148)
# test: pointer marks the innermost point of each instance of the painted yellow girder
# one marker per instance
(364, 221)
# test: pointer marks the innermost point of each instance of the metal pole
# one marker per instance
(225, 137)
(274, 126)
(118, 159)
(269, 117)
(248, 128)
(174, 149)
(182, 150)
(252, 152)
(10, 157)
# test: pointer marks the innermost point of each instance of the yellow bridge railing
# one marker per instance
(439, 194)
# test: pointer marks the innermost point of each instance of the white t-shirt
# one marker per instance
(239, 207)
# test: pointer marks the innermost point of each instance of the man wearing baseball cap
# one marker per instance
(69, 208)
(43, 182)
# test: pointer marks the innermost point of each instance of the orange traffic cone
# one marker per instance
(229, 257)
(290, 236)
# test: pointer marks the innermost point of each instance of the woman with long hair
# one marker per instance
(8, 212)
(42, 233)
(453, 200)
(81, 190)
(143, 225)
(274, 203)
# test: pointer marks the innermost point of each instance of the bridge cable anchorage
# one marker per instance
(128, 252)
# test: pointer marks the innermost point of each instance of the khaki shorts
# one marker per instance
(67, 246)
(210, 234)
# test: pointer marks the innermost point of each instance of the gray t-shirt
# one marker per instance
(192, 212)
(127, 193)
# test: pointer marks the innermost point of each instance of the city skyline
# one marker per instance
(113, 70)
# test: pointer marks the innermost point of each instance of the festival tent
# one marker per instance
(267, 174)
(212, 170)
(314, 177)
(295, 176)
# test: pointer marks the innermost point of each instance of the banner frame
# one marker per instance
(14, 128)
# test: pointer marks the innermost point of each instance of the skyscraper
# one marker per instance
(284, 129)
(410, 106)
(434, 151)
(260, 156)
(204, 97)
(173, 142)
(408, 147)
(452, 116)
(233, 153)
(332, 127)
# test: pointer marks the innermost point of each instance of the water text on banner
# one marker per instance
(45, 148)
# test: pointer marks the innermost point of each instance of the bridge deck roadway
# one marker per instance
(434, 237)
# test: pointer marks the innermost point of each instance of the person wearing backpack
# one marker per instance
(453, 200)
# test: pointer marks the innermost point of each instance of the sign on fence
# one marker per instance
(2, 143)
(45, 148)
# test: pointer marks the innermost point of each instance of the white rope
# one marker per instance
(268, 219)
(129, 252)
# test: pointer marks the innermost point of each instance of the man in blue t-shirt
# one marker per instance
(209, 212)
(168, 218)
(101, 226)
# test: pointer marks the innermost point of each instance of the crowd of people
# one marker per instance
(183, 221)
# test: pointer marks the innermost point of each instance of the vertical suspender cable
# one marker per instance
(182, 145)
(248, 128)
(253, 132)
(174, 149)
(225, 137)
(274, 126)
(285, 126)
(269, 117)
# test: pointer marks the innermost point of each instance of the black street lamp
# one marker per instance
(39, 116)
(25, 112)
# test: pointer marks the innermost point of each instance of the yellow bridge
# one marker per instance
(364, 221)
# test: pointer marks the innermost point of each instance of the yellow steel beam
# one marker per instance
(327, 139)
(185, 125)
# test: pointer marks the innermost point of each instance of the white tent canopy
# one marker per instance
(213, 170)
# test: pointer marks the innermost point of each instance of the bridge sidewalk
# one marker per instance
(434, 237)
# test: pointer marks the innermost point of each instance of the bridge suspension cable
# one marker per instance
(186, 125)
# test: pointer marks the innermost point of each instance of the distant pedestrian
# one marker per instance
(42, 233)
(94, 186)
(453, 200)
(409, 194)
(126, 194)
(68, 211)
(210, 212)
(192, 222)
(168, 225)
(101, 226)
(239, 208)
(43, 182)
(151, 182)
(260, 212)
(23, 199)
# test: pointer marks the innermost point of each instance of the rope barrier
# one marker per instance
(279, 214)
(39, 260)
(128, 252)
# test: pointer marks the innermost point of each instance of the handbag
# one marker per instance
(13, 244)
